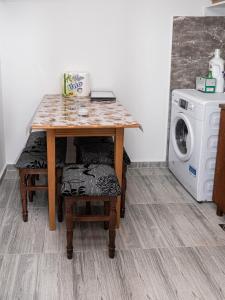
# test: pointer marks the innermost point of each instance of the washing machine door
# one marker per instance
(182, 137)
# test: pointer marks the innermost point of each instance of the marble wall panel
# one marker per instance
(193, 45)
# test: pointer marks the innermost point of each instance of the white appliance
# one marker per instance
(194, 131)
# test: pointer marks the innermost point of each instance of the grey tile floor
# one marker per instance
(168, 247)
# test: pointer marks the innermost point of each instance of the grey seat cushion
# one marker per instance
(89, 180)
(98, 153)
(36, 138)
(34, 155)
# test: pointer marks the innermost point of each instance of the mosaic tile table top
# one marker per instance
(56, 111)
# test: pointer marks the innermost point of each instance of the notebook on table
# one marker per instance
(103, 96)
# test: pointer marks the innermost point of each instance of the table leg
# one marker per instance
(118, 159)
(51, 177)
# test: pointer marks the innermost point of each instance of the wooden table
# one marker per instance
(59, 117)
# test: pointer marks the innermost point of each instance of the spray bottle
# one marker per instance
(216, 66)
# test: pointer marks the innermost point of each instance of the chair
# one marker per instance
(100, 150)
(33, 162)
(90, 182)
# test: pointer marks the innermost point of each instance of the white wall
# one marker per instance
(125, 45)
(2, 136)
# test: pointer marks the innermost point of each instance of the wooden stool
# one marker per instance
(100, 150)
(33, 162)
(90, 183)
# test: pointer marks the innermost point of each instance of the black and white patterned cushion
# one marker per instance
(98, 153)
(36, 138)
(89, 180)
(34, 155)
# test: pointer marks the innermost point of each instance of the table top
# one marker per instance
(55, 111)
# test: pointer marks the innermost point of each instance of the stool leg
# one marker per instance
(30, 183)
(112, 228)
(60, 208)
(123, 192)
(23, 193)
(59, 175)
(106, 213)
(33, 183)
(69, 226)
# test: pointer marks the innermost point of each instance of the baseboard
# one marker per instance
(2, 172)
(149, 164)
(11, 167)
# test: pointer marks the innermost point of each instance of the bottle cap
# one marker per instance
(217, 52)
(210, 74)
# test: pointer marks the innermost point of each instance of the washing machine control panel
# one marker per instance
(184, 104)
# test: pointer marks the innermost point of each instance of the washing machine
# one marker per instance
(193, 141)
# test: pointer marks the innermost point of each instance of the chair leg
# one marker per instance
(106, 213)
(23, 192)
(59, 197)
(112, 228)
(123, 192)
(30, 182)
(60, 208)
(59, 175)
(33, 177)
(69, 202)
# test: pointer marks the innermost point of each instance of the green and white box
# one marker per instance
(206, 85)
